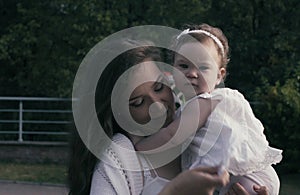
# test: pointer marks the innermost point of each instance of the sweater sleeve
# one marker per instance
(118, 171)
(101, 184)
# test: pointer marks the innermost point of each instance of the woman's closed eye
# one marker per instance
(158, 87)
(137, 102)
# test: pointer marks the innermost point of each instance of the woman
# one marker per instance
(115, 173)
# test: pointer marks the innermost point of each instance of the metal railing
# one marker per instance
(29, 120)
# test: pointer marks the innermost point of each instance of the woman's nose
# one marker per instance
(157, 110)
(155, 98)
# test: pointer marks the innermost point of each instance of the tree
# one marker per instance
(43, 42)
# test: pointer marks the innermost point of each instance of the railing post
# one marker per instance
(20, 121)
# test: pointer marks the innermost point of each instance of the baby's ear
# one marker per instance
(221, 75)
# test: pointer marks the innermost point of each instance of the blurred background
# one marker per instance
(42, 43)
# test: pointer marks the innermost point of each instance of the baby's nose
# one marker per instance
(193, 73)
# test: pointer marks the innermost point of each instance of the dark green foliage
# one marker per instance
(280, 113)
(43, 42)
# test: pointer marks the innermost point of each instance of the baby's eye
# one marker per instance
(184, 66)
(203, 67)
(158, 87)
(137, 102)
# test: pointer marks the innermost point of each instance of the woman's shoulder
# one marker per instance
(123, 141)
(112, 154)
(121, 152)
(119, 160)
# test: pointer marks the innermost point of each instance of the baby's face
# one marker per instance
(199, 63)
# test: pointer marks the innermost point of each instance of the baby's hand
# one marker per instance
(239, 189)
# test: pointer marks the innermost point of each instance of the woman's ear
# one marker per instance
(221, 75)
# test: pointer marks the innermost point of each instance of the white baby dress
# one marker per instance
(232, 138)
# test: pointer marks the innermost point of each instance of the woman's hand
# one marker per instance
(202, 180)
(238, 189)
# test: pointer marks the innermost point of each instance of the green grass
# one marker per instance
(40, 173)
(53, 173)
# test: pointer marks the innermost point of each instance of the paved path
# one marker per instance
(20, 188)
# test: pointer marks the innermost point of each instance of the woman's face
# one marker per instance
(147, 93)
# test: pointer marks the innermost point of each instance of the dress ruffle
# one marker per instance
(232, 137)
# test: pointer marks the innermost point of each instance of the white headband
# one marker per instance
(216, 40)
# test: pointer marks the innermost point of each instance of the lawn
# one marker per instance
(39, 173)
(57, 174)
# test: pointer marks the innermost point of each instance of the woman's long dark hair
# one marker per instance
(82, 161)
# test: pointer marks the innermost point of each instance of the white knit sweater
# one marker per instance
(111, 174)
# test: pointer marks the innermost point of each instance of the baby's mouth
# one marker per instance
(194, 85)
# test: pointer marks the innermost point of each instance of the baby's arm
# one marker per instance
(186, 125)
